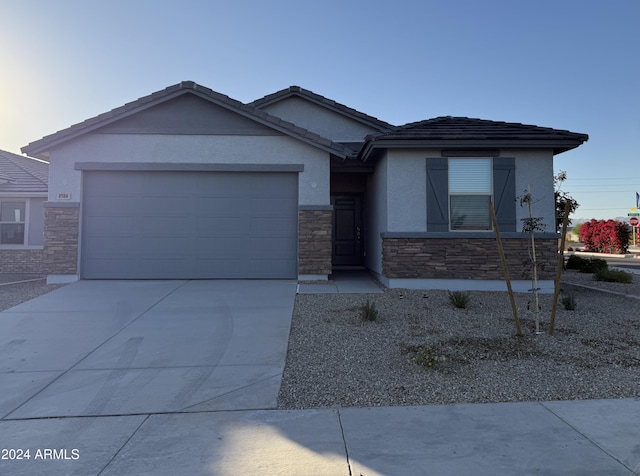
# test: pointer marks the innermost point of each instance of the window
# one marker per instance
(470, 192)
(12, 221)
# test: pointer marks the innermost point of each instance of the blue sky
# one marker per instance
(566, 64)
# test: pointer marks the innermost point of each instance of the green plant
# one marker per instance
(459, 299)
(569, 302)
(584, 265)
(368, 311)
(594, 265)
(424, 356)
(613, 276)
(575, 262)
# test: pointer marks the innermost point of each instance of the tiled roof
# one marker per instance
(464, 131)
(41, 147)
(22, 174)
(382, 126)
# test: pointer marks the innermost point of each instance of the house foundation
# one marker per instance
(465, 258)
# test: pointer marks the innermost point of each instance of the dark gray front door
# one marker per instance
(347, 230)
(183, 225)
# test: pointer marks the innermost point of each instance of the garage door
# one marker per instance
(150, 225)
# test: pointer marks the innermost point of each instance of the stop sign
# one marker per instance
(633, 221)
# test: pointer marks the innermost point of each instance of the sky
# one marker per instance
(566, 64)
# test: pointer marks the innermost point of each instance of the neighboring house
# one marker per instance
(188, 183)
(23, 191)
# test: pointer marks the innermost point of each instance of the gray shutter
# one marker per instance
(504, 192)
(437, 194)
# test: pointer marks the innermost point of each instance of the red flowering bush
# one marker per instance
(605, 236)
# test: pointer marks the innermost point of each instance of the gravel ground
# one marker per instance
(28, 286)
(335, 358)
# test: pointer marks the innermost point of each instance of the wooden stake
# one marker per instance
(556, 290)
(505, 269)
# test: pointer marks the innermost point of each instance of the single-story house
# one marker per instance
(23, 192)
(189, 183)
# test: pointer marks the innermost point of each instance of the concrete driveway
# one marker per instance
(140, 347)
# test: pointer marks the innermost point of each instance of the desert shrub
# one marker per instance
(459, 299)
(605, 236)
(575, 262)
(593, 265)
(613, 276)
(569, 302)
(586, 265)
(368, 311)
(424, 356)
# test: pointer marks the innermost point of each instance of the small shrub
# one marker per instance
(368, 311)
(575, 262)
(459, 299)
(613, 276)
(585, 265)
(424, 356)
(569, 302)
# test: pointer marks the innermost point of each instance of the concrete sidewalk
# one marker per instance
(562, 438)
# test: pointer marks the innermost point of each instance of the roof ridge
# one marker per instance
(322, 100)
(168, 93)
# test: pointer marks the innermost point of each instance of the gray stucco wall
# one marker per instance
(36, 221)
(376, 200)
(535, 168)
(407, 191)
(320, 120)
(199, 149)
(405, 179)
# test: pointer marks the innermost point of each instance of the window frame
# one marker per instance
(24, 222)
(489, 194)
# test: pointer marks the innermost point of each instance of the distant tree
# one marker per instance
(561, 199)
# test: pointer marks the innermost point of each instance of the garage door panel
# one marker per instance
(273, 206)
(279, 226)
(222, 226)
(222, 206)
(221, 247)
(224, 184)
(278, 186)
(264, 267)
(167, 205)
(171, 225)
(164, 267)
(266, 247)
(111, 245)
(166, 245)
(181, 225)
(120, 225)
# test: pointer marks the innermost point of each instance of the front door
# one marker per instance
(347, 230)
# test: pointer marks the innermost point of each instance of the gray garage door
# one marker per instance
(150, 225)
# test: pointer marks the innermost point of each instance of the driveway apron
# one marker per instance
(138, 347)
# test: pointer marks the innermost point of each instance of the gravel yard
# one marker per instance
(335, 358)
(26, 287)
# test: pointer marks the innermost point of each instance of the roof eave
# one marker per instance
(41, 147)
(557, 145)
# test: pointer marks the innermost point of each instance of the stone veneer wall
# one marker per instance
(61, 229)
(27, 261)
(465, 258)
(314, 241)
